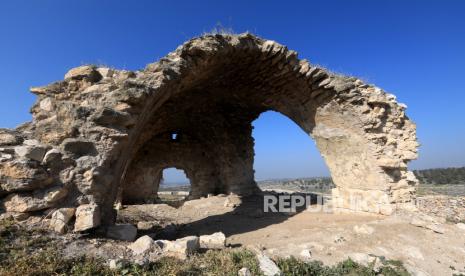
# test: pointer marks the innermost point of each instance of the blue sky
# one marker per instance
(414, 49)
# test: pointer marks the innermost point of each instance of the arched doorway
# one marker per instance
(283, 151)
(174, 187)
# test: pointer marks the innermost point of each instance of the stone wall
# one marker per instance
(90, 133)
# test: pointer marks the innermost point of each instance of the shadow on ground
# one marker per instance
(248, 216)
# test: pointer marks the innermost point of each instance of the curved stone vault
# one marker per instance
(103, 135)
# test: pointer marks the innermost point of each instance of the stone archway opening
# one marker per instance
(283, 151)
(174, 187)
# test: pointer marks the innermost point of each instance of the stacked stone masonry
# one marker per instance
(103, 135)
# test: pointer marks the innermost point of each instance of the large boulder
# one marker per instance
(60, 219)
(124, 232)
(87, 217)
(214, 241)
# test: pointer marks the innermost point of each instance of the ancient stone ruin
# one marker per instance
(102, 135)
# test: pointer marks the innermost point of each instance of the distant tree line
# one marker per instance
(441, 176)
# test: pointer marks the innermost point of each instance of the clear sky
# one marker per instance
(414, 49)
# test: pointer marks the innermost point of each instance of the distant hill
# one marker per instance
(441, 176)
(310, 184)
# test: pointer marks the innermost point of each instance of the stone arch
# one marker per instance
(210, 89)
(143, 176)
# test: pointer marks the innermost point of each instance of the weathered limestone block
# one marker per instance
(39, 200)
(87, 217)
(110, 117)
(214, 241)
(181, 248)
(23, 175)
(8, 138)
(60, 219)
(46, 104)
(31, 150)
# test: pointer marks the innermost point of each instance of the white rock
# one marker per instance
(60, 219)
(124, 232)
(105, 72)
(267, 266)
(5, 157)
(232, 201)
(143, 245)
(112, 264)
(116, 263)
(364, 229)
(214, 241)
(51, 156)
(244, 272)
(31, 142)
(46, 104)
(306, 254)
(55, 194)
(147, 225)
(182, 248)
(87, 217)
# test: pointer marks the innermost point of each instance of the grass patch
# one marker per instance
(33, 252)
(293, 267)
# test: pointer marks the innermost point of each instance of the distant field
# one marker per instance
(442, 181)
(443, 189)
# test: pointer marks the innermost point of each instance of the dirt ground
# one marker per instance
(328, 237)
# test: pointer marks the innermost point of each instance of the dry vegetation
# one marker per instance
(35, 252)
